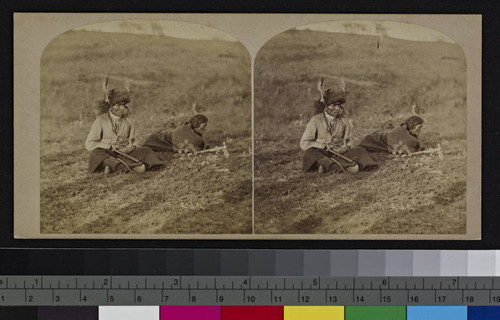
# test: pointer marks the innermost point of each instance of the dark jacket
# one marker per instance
(183, 138)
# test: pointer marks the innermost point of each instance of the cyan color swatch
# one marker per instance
(436, 313)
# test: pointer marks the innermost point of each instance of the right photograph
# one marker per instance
(360, 128)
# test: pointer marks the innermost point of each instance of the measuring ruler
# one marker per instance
(251, 290)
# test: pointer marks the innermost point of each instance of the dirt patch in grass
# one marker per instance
(450, 195)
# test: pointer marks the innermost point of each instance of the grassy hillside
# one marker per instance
(421, 194)
(197, 194)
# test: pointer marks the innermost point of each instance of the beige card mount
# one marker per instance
(254, 77)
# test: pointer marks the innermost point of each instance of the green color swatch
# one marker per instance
(375, 313)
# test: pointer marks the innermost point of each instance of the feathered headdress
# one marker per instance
(116, 95)
(332, 96)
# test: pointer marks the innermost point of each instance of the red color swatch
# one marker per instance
(252, 313)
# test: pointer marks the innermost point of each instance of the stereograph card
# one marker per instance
(226, 112)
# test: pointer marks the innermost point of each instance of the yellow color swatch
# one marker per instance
(313, 313)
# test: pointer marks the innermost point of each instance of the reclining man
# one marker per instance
(185, 138)
(404, 136)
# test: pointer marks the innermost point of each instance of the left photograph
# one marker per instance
(145, 128)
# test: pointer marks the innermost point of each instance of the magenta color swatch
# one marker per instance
(190, 313)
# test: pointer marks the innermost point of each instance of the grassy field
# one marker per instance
(203, 194)
(404, 195)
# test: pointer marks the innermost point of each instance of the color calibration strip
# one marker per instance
(251, 313)
(253, 262)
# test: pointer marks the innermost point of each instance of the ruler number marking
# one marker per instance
(451, 294)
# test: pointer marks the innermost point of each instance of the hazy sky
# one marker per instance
(171, 28)
(392, 29)
(188, 30)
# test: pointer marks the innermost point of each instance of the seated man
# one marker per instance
(186, 138)
(326, 137)
(111, 139)
(405, 136)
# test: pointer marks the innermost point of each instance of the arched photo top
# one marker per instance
(170, 28)
(166, 58)
(392, 29)
(366, 53)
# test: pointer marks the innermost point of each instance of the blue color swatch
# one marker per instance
(484, 313)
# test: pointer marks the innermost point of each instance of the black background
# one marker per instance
(16, 255)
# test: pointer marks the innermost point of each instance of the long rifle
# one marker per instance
(340, 156)
(428, 151)
(212, 149)
(118, 152)
(126, 156)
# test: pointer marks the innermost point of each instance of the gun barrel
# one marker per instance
(211, 150)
